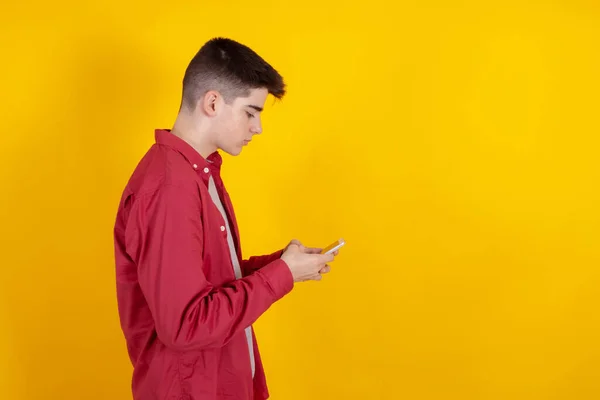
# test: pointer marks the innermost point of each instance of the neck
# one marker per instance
(196, 135)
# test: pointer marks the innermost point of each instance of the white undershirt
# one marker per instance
(212, 189)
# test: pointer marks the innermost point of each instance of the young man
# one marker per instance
(187, 299)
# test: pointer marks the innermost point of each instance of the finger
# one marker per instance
(293, 243)
(327, 258)
(313, 250)
(325, 269)
(294, 247)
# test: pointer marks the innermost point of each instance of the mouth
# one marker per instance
(246, 141)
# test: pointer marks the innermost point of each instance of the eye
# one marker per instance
(250, 115)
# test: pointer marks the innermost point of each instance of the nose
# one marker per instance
(256, 128)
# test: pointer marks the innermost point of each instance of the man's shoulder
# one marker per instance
(162, 179)
(161, 167)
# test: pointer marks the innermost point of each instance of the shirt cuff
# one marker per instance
(278, 277)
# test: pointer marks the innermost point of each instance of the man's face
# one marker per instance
(239, 121)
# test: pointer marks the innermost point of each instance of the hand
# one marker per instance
(308, 250)
(311, 250)
(305, 265)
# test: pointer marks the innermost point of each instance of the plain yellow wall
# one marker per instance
(454, 145)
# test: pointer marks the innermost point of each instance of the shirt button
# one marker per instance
(195, 166)
(222, 228)
(206, 170)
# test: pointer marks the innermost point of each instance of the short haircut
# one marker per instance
(230, 68)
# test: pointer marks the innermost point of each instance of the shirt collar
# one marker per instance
(166, 138)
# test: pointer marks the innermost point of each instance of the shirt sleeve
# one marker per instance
(164, 238)
(255, 263)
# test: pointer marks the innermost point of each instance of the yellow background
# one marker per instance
(454, 145)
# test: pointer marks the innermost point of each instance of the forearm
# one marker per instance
(255, 263)
(201, 316)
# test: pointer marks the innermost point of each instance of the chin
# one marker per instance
(233, 151)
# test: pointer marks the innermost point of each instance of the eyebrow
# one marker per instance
(257, 108)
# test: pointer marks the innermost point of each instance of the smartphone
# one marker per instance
(333, 246)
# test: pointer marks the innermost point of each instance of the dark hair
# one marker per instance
(230, 68)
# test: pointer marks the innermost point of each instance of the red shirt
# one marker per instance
(182, 310)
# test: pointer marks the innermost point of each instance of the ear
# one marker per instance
(210, 103)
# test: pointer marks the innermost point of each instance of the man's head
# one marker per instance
(224, 91)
